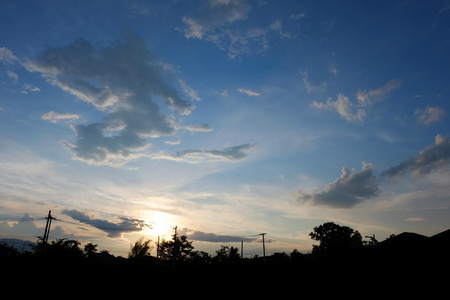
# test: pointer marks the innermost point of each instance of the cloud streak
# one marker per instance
(248, 92)
(213, 238)
(55, 117)
(233, 153)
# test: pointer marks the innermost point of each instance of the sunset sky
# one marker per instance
(226, 118)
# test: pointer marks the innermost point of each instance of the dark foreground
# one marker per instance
(407, 265)
(355, 274)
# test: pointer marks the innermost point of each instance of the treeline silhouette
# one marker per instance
(341, 255)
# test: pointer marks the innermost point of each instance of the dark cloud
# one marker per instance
(229, 153)
(233, 153)
(213, 238)
(351, 188)
(114, 230)
(123, 80)
(431, 158)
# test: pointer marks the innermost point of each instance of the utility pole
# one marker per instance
(175, 248)
(242, 250)
(157, 252)
(47, 227)
(264, 246)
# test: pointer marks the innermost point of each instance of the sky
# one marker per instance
(225, 118)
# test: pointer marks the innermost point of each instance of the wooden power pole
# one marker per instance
(175, 248)
(264, 246)
(47, 227)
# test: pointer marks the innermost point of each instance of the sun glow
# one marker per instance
(161, 225)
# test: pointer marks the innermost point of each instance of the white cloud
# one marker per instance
(55, 117)
(357, 112)
(7, 57)
(193, 30)
(429, 115)
(248, 92)
(351, 188)
(343, 107)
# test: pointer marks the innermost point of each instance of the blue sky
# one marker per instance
(227, 118)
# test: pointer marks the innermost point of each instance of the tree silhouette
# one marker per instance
(179, 249)
(335, 239)
(90, 250)
(227, 254)
(140, 249)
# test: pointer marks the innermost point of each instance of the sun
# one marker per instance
(161, 224)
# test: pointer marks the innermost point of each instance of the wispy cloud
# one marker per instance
(277, 27)
(415, 219)
(13, 76)
(370, 97)
(7, 56)
(357, 112)
(214, 13)
(213, 22)
(248, 92)
(429, 115)
(311, 88)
